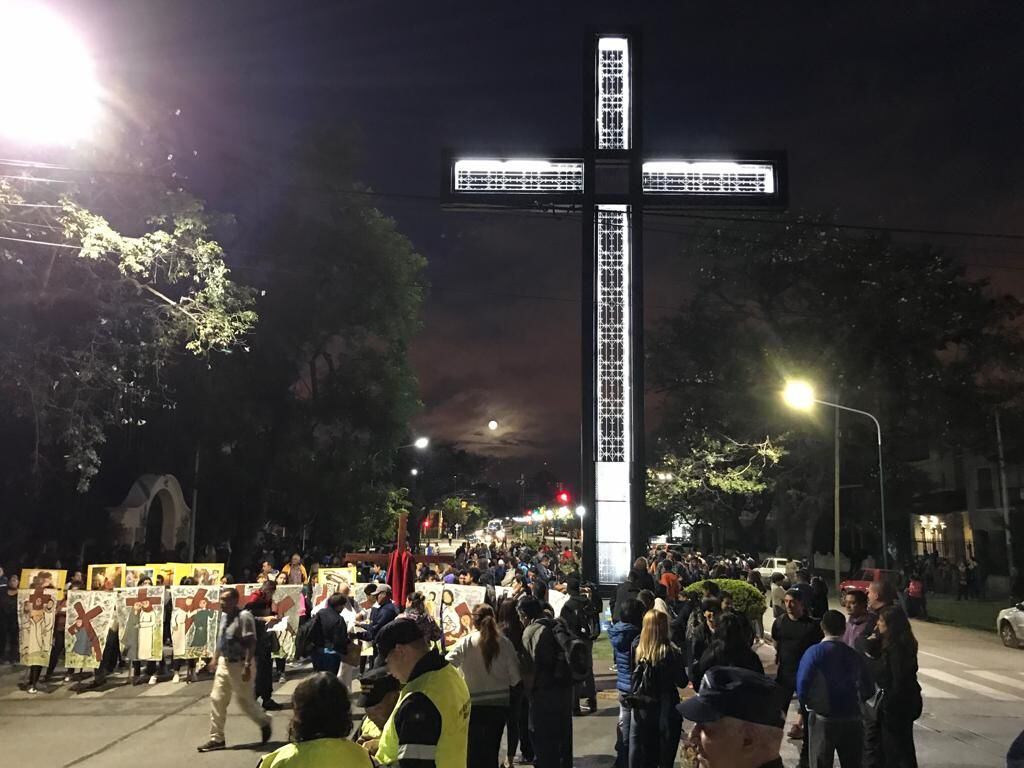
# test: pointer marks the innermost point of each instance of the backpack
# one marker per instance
(644, 687)
(307, 638)
(572, 664)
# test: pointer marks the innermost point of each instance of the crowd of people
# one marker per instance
(526, 668)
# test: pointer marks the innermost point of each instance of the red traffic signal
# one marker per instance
(563, 498)
(426, 523)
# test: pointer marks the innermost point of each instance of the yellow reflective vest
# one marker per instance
(448, 692)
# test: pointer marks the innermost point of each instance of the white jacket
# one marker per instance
(487, 687)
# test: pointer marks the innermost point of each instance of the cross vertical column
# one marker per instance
(611, 455)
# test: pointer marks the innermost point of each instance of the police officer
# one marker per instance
(430, 724)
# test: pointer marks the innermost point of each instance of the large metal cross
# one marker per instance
(612, 184)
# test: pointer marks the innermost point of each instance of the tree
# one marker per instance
(897, 329)
(91, 318)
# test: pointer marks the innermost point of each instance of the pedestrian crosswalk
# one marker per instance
(962, 681)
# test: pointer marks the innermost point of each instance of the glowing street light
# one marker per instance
(799, 395)
(48, 91)
(421, 443)
(581, 511)
(414, 472)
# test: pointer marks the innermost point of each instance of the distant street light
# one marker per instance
(800, 396)
(492, 425)
(48, 92)
(421, 442)
(414, 472)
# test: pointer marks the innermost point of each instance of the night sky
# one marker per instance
(909, 117)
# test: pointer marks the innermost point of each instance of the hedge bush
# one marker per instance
(746, 599)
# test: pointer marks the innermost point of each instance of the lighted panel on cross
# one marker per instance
(611, 183)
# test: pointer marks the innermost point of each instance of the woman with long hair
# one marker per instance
(729, 648)
(518, 723)
(892, 662)
(416, 609)
(321, 723)
(491, 668)
(659, 670)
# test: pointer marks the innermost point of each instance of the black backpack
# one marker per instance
(644, 688)
(573, 662)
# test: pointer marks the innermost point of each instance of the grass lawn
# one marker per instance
(603, 649)
(976, 614)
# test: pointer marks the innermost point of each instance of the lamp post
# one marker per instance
(799, 395)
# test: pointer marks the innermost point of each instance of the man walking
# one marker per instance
(232, 660)
(831, 683)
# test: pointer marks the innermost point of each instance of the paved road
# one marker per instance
(973, 690)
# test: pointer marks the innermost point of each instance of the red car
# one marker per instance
(863, 580)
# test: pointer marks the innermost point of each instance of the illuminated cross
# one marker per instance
(612, 184)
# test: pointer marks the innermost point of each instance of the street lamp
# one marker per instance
(421, 443)
(799, 395)
(49, 95)
(414, 472)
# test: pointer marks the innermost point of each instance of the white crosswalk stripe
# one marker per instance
(998, 677)
(931, 692)
(970, 685)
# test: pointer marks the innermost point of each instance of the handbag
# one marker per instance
(872, 707)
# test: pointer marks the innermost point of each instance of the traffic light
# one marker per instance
(426, 523)
(563, 498)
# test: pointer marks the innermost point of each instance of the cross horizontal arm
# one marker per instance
(695, 182)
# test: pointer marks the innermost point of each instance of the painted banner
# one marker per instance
(134, 575)
(88, 620)
(286, 605)
(165, 571)
(205, 574)
(557, 600)
(43, 578)
(454, 610)
(337, 576)
(195, 617)
(36, 611)
(106, 577)
(140, 622)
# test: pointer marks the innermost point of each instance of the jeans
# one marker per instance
(486, 725)
(654, 735)
(326, 660)
(826, 737)
(264, 685)
(587, 688)
(227, 682)
(551, 727)
(889, 743)
(622, 733)
(518, 725)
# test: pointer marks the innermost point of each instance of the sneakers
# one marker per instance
(175, 678)
(211, 746)
(68, 678)
(264, 733)
(282, 677)
(152, 680)
(31, 689)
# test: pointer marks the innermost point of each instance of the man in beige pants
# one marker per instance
(236, 643)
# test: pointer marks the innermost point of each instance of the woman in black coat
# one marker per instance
(730, 648)
(892, 662)
(659, 671)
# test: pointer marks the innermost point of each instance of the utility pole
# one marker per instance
(835, 502)
(1006, 504)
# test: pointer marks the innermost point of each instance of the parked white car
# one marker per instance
(1010, 626)
(774, 565)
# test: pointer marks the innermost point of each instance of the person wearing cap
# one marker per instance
(739, 716)
(430, 724)
(831, 683)
(383, 612)
(321, 723)
(378, 699)
(793, 633)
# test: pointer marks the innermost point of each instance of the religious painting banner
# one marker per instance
(205, 574)
(37, 609)
(43, 578)
(140, 622)
(195, 617)
(557, 601)
(455, 610)
(166, 571)
(337, 576)
(106, 576)
(88, 620)
(500, 593)
(134, 575)
(364, 604)
(286, 605)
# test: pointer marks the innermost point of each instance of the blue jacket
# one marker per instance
(621, 635)
(833, 680)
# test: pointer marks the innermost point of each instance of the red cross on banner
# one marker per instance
(191, 605)
(142, 596)
(282, 608)
(38, 594)
(86, 618)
